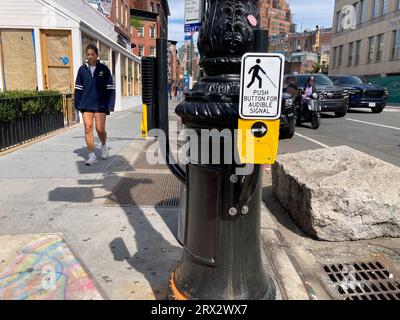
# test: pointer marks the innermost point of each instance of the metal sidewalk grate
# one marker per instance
(363, 280)
(144, 189)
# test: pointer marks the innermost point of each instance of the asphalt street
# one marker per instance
(374, 134)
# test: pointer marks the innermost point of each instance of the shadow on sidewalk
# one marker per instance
(154, 257)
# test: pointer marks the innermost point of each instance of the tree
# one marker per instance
(136, 22)
(316, 68)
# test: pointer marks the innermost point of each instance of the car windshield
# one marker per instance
(353, 80)
(319, 80)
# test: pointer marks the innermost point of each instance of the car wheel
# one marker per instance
(340, 114)
(315, 122)
(377, 110)
(289, 132)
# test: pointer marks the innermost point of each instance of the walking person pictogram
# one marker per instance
(256, 69)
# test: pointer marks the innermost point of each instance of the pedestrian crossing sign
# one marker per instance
(261, 85)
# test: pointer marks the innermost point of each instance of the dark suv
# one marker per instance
(362, 93)
(331, 98)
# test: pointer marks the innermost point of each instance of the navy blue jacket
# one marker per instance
(97, 92)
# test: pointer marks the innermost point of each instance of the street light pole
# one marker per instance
(222, 256)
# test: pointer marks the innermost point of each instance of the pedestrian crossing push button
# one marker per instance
(258, 141)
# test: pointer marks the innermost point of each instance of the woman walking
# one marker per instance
(95, 99)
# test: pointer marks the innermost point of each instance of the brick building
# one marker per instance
(275, 16)
(150, 21)
(172, 61)
(143, 36)
(317, 41)
(117, 11)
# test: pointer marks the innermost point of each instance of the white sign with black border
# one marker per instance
(193, 11)
(261, 83)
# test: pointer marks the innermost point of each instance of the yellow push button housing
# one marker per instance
(258, 141)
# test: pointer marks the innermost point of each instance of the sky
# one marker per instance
(306, 13)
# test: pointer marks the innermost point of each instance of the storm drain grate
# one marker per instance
(365, 280)
(143, 189)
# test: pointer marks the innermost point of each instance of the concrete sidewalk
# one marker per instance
(46, 189)
(127, 252)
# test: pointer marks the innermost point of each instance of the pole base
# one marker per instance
(175, 294)
(173, 291)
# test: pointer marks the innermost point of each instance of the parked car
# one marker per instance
(361, 93)
(331, 98)
(288, 120)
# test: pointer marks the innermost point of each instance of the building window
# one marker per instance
(340, 56)
(363, 15)
(357, 55)
(141, 51)
(350, 62)
(355, 5)
(152, 33)
(339, 21)
(158, 8)
(152, 52)
(127, 17)
(376, 8)
(141, 31)
(334, 57)
(371, 47)
(379, 48)
(385, 7)
(151, 6)
(396, 44)
(117, 8)
(23, 76)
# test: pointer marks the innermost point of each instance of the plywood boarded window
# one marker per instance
(124, 78)
(19, 61)
(130, 78)
(57, 60)
(104, 54)
(137, 79)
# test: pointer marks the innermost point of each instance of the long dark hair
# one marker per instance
(92, 47)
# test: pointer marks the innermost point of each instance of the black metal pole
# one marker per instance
(222, 256)
(162, 71)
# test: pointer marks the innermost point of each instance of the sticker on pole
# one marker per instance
(261, 84)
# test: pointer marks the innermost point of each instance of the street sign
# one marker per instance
(192, 27)
(193, 15)
(261, 84)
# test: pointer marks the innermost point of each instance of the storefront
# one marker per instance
(43, 46)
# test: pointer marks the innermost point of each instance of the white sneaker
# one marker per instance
(104, 152)
(92, 159)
